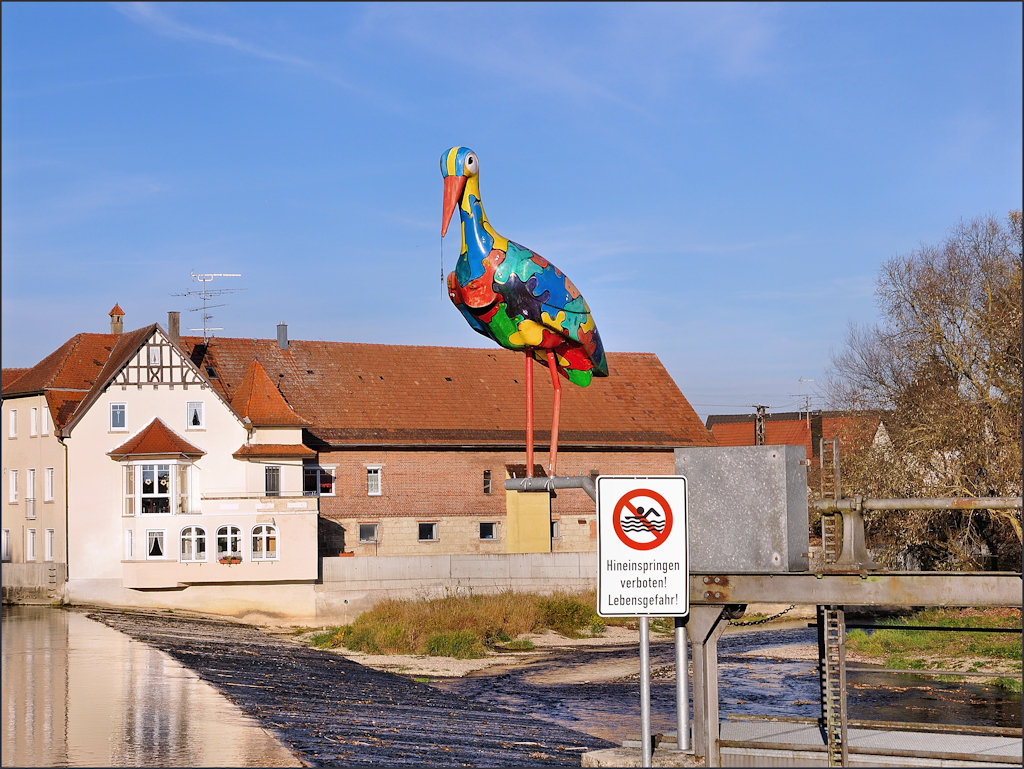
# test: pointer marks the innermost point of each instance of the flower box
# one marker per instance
(230, 559)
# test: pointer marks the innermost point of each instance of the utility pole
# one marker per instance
(759, 439)
(806, 399)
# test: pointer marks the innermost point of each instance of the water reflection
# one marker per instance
(76, 693)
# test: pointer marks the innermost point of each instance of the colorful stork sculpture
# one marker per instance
(516, 297)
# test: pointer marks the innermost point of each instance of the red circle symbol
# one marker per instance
(641, 523)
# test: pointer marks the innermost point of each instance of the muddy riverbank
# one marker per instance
(330, 710)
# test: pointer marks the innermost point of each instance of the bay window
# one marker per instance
(156, 489)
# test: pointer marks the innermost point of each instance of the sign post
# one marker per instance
(643, 571)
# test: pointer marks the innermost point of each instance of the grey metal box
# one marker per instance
(746, 508)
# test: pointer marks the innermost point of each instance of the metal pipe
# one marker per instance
(584, 482)
(646, 749)
(933, 503)
(682, 687)
(870, 751)
(529, 414)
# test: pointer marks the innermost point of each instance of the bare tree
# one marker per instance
(945, 368)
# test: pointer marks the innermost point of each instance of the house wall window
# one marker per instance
(368, 532)
(156, 489)
(193, 543)
(194, 416)
(373, 481)
(155, 543)
(48, 484)
(117, 417)
(129, 489)
(273, 481)
(317, 481)
(46, 421)
(428, 532)
(154, 355)
(554, 530)
(182, 497)
(128, 549)
(30, 493)
(5, 545)
(12, 423)
(264, 543)
(48, 544)
(487, 481)
(229, 542)
(30, 544)
(488, 530)
(33, 422)
(12, 486)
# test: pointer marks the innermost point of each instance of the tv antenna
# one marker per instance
(807, 399)
(205, 294)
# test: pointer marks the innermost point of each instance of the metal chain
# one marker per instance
(766, 619)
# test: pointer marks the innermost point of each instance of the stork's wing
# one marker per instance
(537, 290)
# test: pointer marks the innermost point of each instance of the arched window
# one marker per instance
(264, 543)
(229, 542)
(193, 543)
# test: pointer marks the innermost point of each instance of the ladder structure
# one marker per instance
(830, 538)
(832, 673)
(828, 454)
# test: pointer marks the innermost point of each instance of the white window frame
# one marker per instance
(268, 471)
(317, 472)
(33, 422)
(376, 534)
(494, 531)
(193, 535)
(48, 544)
(555, 530)
(30, 494)
(128, 544)
(153, 356)
(123, 408)
(228, 533)
(436, 531)
(12, 424)
(374, 480)
(46, 421)
(162, 535)
(195, 406)
(5, 545)
(262, 533)
(12, 486)
(48, 484)
(157, 468)
(30, 545)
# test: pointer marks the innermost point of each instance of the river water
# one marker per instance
(76, 693)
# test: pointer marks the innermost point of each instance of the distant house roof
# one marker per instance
(258, 398)
(116, 310)
(792, 428)
(371, 394)
(156, 439)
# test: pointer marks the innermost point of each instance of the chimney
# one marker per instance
(116, 320)
(282, 335)
(174, 327)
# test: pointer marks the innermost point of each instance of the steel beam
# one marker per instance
(705, 628)
(859, 589)
(934, 503)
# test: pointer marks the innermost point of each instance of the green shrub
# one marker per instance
(328, 639)
(461, 644)
(567, 614)
(520, 645)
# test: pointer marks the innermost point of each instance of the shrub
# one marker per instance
(461, 644)
(567, 614)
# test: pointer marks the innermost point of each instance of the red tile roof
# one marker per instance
(11, 375)
(791, 429)
(156, 439)
(274, 451)
(117, 310)
(258, 398)
(358, 394)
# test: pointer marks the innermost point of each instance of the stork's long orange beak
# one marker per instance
(453, 186)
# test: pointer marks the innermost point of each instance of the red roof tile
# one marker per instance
(12, 375)
(158, 439)
(355, 394)
(274, 451)
(258, 398)
(117, 310)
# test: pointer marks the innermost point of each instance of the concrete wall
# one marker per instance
(32, 582)
(353, 585)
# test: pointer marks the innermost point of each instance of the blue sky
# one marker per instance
(720, 181)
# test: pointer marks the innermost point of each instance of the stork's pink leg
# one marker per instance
(529, 414)
(553, 457)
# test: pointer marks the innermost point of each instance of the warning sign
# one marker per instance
(642, 556)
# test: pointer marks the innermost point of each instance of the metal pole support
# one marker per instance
(705, 628)
(646, 748)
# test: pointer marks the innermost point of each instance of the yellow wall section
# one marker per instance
(529, 521)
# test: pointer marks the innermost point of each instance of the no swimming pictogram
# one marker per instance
(642, 519)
